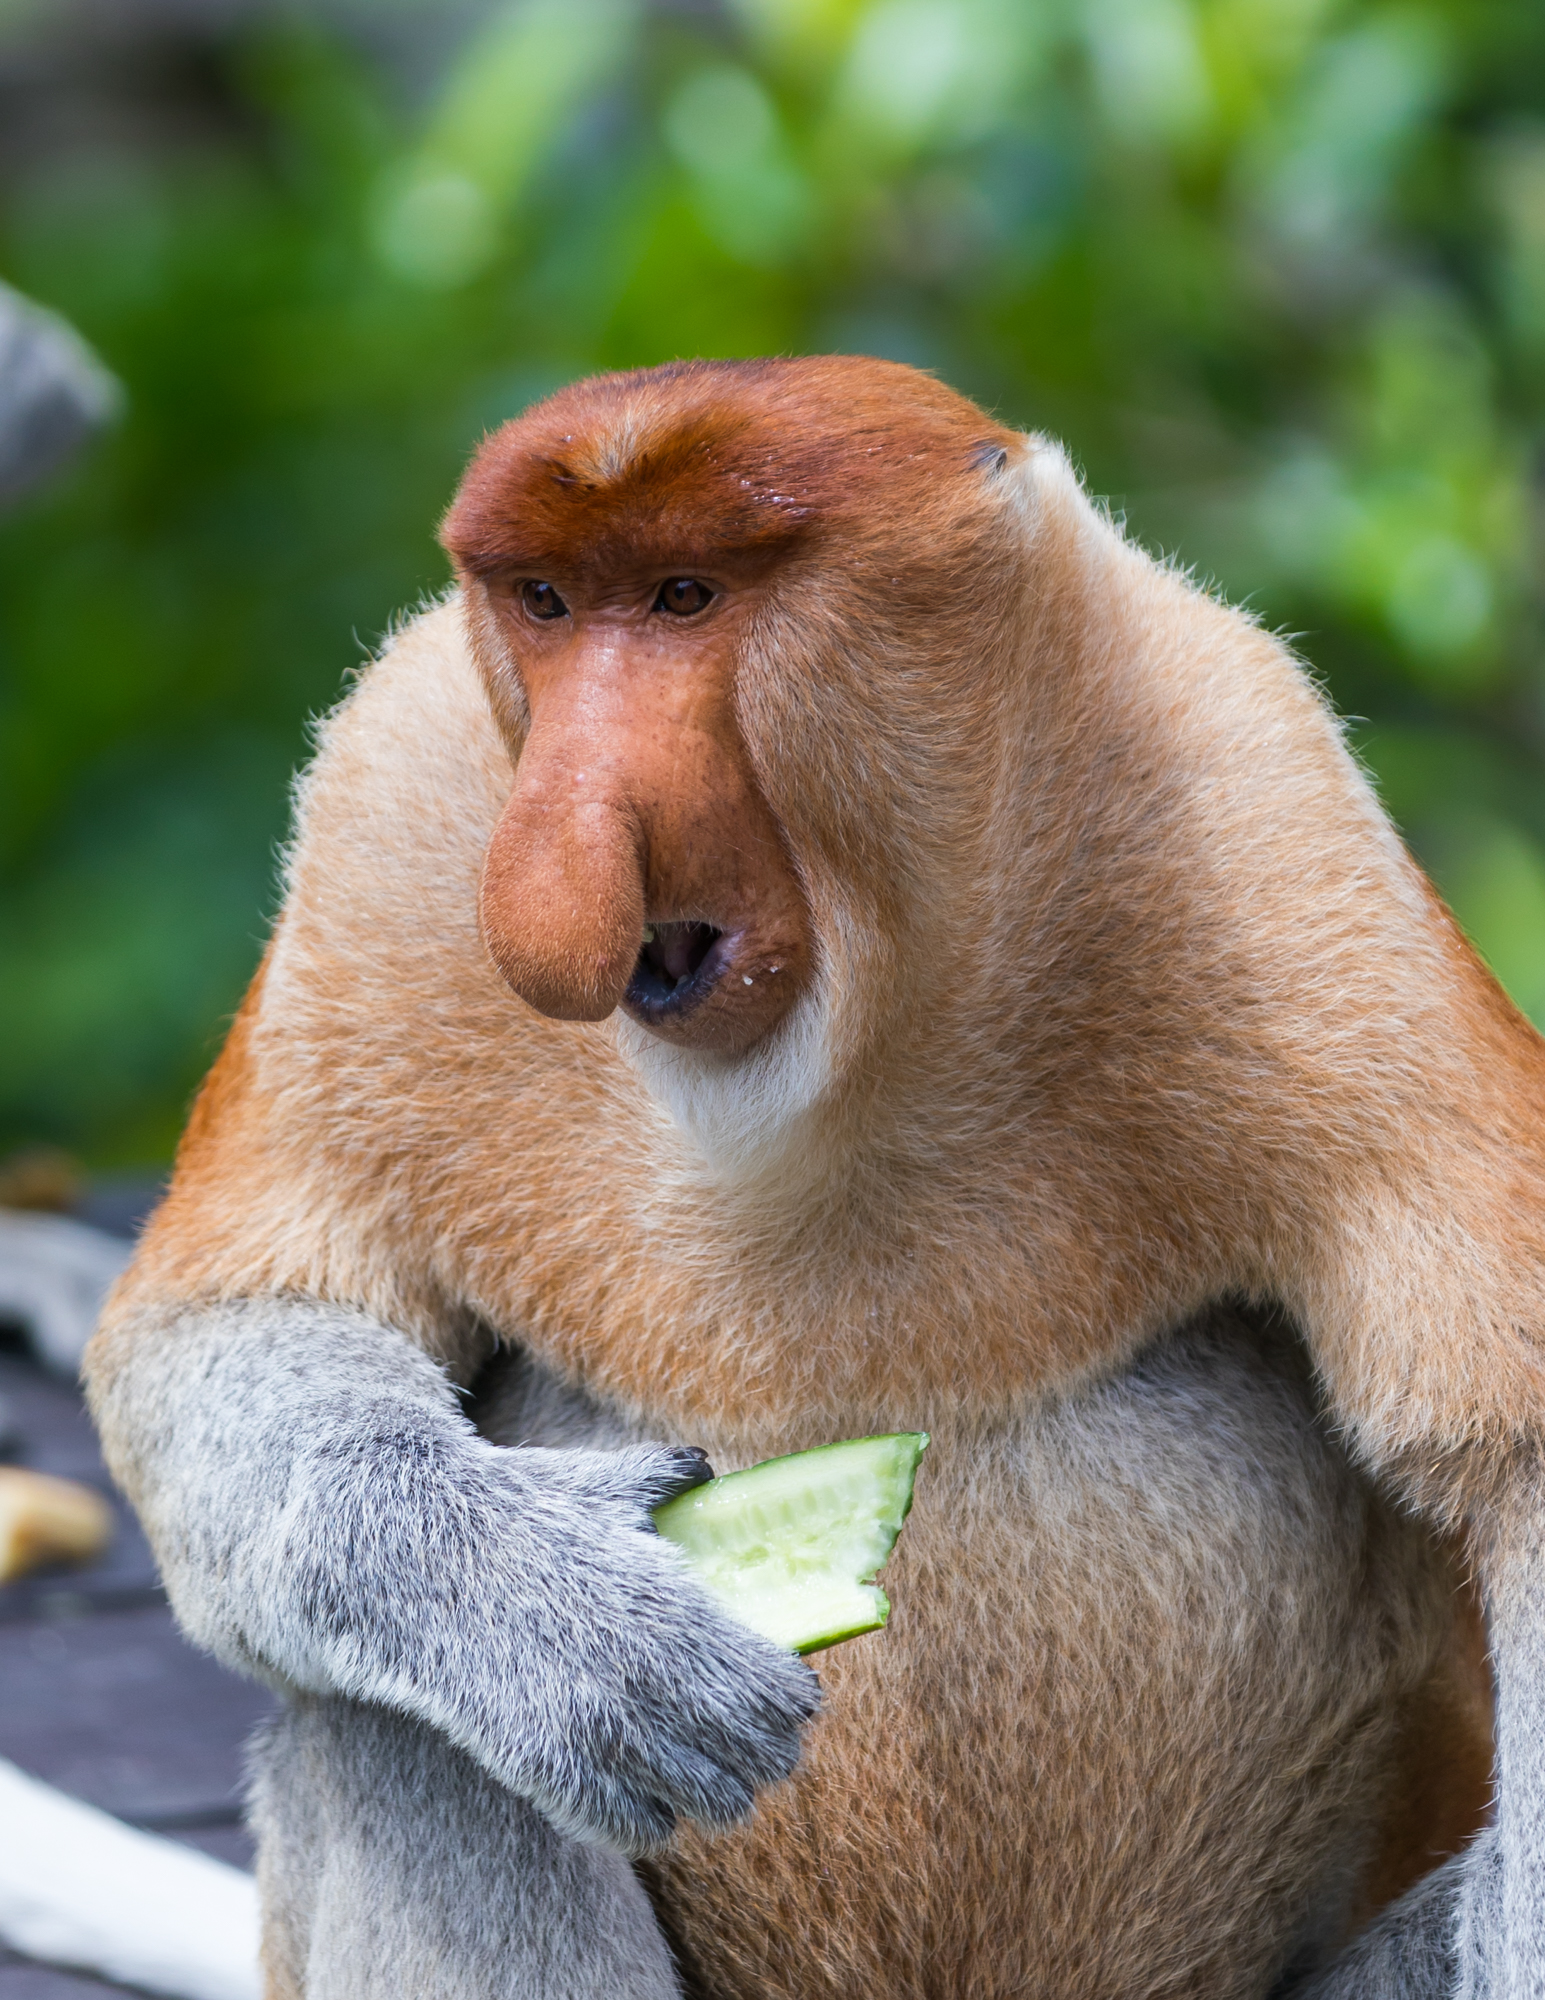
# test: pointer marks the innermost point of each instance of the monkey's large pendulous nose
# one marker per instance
(562, 898)
(637, 863)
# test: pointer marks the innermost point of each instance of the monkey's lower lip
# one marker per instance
(678, 967)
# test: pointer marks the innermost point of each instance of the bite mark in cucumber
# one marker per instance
(790, 1547)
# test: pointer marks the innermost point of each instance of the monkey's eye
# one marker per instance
(542, 601)
(683, 596)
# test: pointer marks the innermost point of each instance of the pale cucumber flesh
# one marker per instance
(790, 1547)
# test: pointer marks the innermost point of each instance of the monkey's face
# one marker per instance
(625, 551)
(637, 862)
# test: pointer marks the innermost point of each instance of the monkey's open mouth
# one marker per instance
(676, 967)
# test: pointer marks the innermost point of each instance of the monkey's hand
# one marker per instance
(587, 1668)
(326, 1517)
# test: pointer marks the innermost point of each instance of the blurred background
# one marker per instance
(1274, 269)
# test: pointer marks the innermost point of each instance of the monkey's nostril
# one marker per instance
(679, 967)
(671, 957)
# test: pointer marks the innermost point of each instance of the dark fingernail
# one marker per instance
(693, 1461)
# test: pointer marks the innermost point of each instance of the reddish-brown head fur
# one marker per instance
(640, 858)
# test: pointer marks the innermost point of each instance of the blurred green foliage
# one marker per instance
(1275, 269)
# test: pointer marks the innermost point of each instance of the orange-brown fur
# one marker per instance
(1127, 1000)
(1442, 1761)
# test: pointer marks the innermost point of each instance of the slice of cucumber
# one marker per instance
(789, 1547)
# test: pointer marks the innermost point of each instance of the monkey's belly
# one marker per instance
(1127, 1732)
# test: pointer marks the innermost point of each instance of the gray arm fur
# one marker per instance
(325, 1516)
(1410, 1953)
(1501, 1922)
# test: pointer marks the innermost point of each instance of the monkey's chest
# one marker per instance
(1126, 1728)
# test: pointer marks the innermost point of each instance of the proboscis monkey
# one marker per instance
(823, 936)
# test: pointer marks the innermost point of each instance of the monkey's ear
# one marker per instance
(989, 456)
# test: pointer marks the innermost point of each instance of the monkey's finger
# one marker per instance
(637, 1477)
(702, 1790)
(746, 1726)
(600, 1807)
(757, 1689)
(670, 1470)
(706, 1727)
(752, 1759)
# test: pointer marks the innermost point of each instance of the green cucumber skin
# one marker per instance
(705, 1521)
(827, 1639)
(918, 1440)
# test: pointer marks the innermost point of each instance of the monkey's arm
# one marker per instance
(1501, 1926)
(1428, 1322)
(325, 1516)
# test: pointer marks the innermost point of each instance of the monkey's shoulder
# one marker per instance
(394, 811)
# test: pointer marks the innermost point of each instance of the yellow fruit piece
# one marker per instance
(47, 1520)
